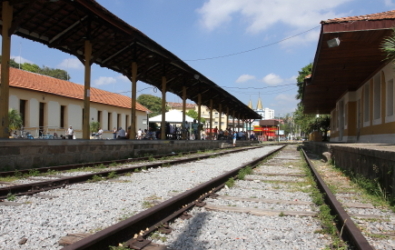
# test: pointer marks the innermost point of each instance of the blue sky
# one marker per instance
(211, 36)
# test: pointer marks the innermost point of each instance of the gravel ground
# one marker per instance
(90, 207)
(230, 230)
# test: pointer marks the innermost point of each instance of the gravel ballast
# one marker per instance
(90, 207)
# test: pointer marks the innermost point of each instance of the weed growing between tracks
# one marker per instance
(11, 197)
(371, 189)
(328, 221)
(243, 172)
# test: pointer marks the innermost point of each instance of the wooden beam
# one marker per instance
(5, 69)
(87, 91)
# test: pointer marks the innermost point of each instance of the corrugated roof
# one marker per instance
(376, 16)
(46, 84)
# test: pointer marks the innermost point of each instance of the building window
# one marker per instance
(127, 121)
(366, 116)
(62, 116)
(119, 120)
(99, 117)
(22, 111)
(376, 98)
(109, 121)
(41, 119)
(390, 98)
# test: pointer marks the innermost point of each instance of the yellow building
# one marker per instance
(49, 105)
(351, 80)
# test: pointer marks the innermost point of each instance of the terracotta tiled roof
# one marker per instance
(179, 105)
(32, 81)
(370, 17)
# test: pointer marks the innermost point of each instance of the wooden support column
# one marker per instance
(233, 123)
(211, 118)
(199, 112)
(227, 117)
(134, 94)
(238, 123)
(184, 109)
(220, 114)
(163, 123)
(5, 69)
(87, 90)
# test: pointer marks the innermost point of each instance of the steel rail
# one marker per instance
(36, 187)
(90, 164)
(351, 232)
(155, 216)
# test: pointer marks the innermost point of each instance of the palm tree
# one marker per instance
(14, 120)
(388, 47)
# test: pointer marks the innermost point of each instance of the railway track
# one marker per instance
(268, 208)
(44, 179)
(40, 220)
(361, 211)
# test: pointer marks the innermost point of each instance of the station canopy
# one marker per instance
(66, 24)
(353, 57)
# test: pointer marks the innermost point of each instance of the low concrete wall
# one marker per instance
(24, 154)
(373, 161)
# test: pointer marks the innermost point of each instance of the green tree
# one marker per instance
(153, 103)
(14, 120)
(192, 113)
(305, 71)
(305, 122)
(94, 126)
(388, 46)
(13, 64)
(31, 67)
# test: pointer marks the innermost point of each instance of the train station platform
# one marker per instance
(373, 161)
(25, 154)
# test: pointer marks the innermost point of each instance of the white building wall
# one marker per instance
(114, 116)
(53, 114)
(104, 118)
(74, 113)
(33, 110)
(14, 102)
(93, 115)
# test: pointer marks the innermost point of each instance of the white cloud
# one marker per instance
(245, 78)
(104, 80)
(21, 60)
(123, 78)
(389, 3)
(262, 14)
(71, 63)
(272, 79)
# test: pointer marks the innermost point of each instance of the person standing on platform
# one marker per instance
(121, 133)
(114, 133)
(195, 129)
(70, 133)
(216, 133)
(186, 129)
(234, 138)
(139, 134)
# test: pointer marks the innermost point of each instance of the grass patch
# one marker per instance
(11, 197)
(243, 172)
(157, 236)
(230, 183)
(112, 175)
(96, 178)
